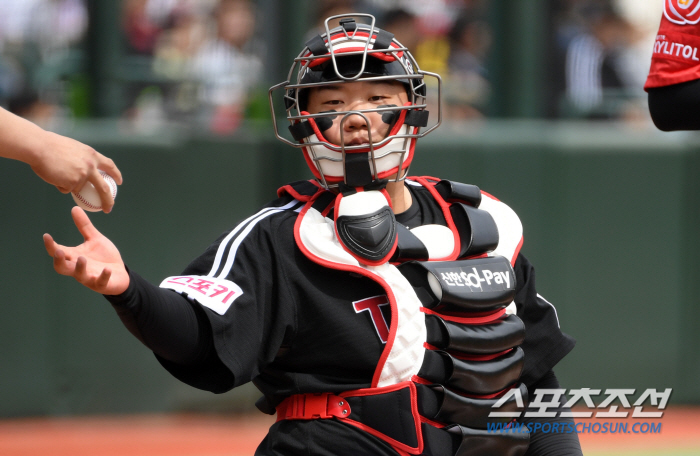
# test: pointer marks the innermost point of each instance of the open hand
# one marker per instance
(96, 263)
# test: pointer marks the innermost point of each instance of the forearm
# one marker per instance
(164, 321)
(20, 139)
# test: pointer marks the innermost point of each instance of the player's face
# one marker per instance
(356, 96)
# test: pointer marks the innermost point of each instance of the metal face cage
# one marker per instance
(361, 40)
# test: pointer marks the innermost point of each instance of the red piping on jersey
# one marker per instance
(445, 206)
(364, 272)
(490, 318)
(298, 196)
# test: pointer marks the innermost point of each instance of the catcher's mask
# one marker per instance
(348, 53)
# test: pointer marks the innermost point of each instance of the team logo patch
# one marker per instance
(682, 11)
(214, 293)
(374, 306)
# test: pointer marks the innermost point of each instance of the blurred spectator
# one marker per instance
(35, 39)
(140, 28)
(601, 72)
(229, 64)
(466, 81)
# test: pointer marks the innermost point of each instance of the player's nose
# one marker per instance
(355, 121)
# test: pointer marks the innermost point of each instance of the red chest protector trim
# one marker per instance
(449, 327)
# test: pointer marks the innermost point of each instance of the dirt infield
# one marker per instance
(206, 435)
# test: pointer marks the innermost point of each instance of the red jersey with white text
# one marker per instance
(676, 57)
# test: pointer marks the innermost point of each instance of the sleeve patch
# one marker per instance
(214, 293)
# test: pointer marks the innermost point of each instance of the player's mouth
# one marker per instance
(359, 141)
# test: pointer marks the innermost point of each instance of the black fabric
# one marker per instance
(675, 107)
(294, 329)
(164, 321)
(545, 344)
(553, 443)
(423, 211)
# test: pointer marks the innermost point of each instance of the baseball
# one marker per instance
(89, 199)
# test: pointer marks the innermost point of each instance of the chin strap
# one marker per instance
(364, 223)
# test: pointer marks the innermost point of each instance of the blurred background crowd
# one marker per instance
(206, 63)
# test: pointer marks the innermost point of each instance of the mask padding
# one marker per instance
(301, 130)
(416, 118)
(317, 45)
(383, 40)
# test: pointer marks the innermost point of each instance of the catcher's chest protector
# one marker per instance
(453, 345)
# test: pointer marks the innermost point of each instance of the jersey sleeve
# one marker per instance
(545, 344)
(675, 58)
(240, 286)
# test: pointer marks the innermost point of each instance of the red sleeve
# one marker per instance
(676, 58)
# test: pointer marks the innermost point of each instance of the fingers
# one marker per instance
(61, 263)
(103, 190)
(107, 165)
(79, 271)
(49, 244)
(83, 223)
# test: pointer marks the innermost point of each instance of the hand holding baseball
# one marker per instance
(90, 198)
(96, 263)
(61, 161)
(72, 166)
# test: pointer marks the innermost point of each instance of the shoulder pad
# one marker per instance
(510, 228)
(454, 192)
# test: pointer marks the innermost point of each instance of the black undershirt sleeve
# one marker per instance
(164, 321)
(563, 442)
(675, 107)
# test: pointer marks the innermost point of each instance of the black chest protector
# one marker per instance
(472, 356)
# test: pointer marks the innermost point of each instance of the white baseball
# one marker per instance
(89, 199)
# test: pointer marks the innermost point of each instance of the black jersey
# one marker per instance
(296, 327)
(293, 326)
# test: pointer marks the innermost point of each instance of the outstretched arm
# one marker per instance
(96, 263)
(161, 319)
(61, 161)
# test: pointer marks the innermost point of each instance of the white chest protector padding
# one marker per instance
(437, 239)
(317, 233)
